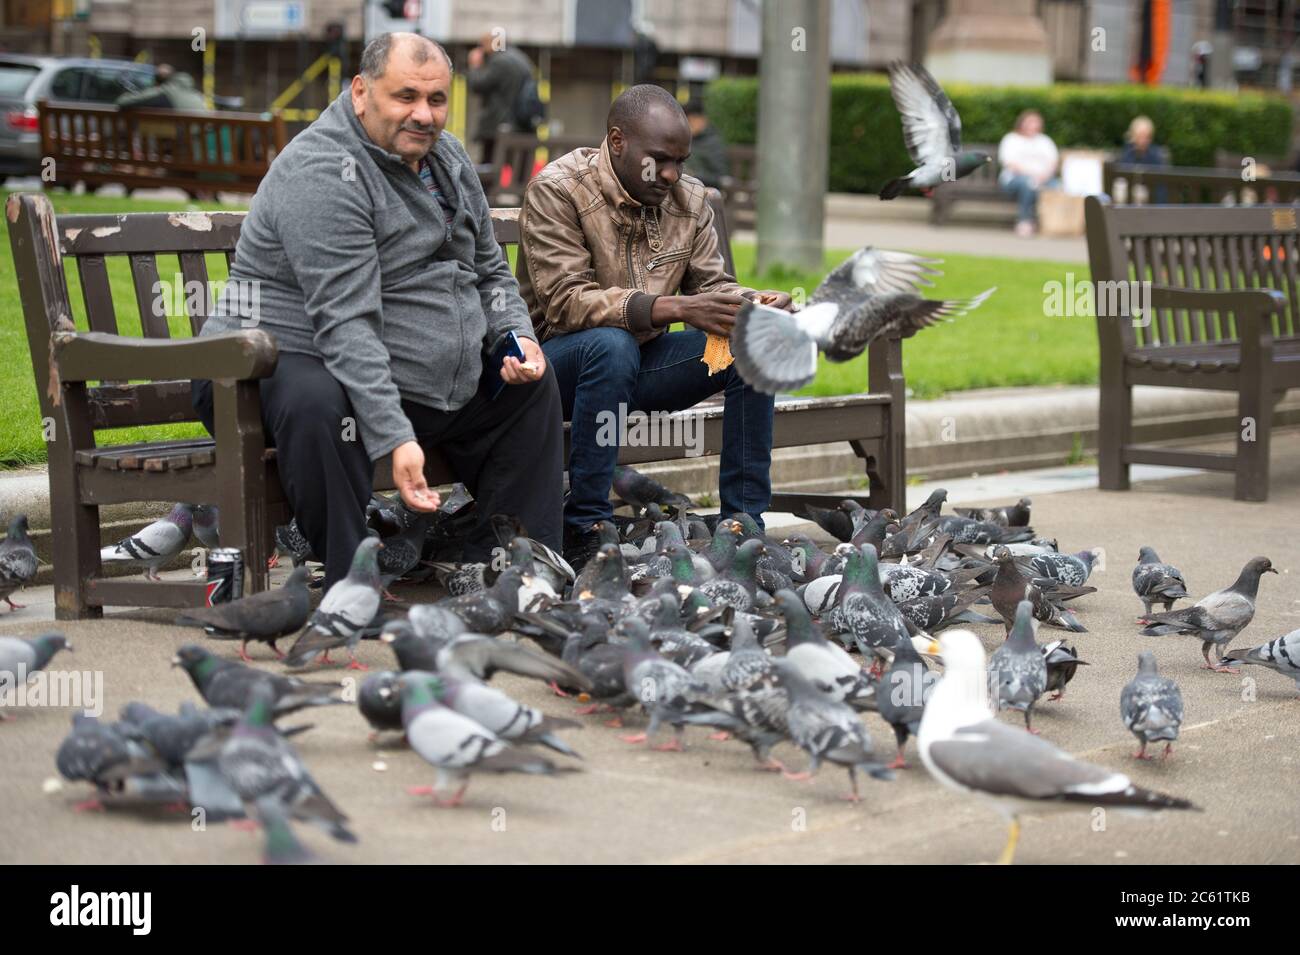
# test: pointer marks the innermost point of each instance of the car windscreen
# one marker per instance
(15, 78)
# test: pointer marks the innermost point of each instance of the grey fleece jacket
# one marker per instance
(345, 255)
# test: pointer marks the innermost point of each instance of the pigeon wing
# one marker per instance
(931, 126)
(773, 351)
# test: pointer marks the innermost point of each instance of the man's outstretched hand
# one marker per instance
(408, 476)
(774, 298)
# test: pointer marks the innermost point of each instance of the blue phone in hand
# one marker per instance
(507, 347)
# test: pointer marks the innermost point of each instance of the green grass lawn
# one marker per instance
(1007, 341)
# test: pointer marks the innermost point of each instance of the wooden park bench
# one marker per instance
(514, 159)
(980, 185)
(740, 186)
(1191, 185)
(104, 376)
(202, 153)
(1222, 314)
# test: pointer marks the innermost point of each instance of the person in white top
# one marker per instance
(1028, 161)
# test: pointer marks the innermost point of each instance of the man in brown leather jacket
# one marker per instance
(617, 245)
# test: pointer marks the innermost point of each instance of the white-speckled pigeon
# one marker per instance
(1282, 655)
(1154, 580)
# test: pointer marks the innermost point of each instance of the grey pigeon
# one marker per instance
(640, 491)
(380, 701)
(1152, 707)
(1154, 580)
(207, 525)
(1062, 661)
(154, 545)
(455, 744)
(1282, 655)
(401, 552)
(666, 691)
(1071, 569)
(229, 684)
(826, 666)
(266, 616)
(20, 658)
(290, 541)
(507, 718)
(346, 610)
(263, 767)
(901, 695)
(178, 741)
(1215, 619)
(17, 561)
(492, 610)
(868, 296)
(864, 612)
(1017, 670)
(1011, 515)
(121, 769)
(1010, 587)
(931, 131)
(475, 656)
(827, 731)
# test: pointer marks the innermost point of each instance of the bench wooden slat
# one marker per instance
(149, 233)
(144, 275)
(97, 293)
(194, 268)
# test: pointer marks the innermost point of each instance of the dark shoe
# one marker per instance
(579, 546)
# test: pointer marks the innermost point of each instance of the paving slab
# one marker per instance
(1238, 759)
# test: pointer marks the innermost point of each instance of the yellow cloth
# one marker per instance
(717, 354)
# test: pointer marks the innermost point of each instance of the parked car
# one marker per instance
(25, 80)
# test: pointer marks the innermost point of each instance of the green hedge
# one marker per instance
(867, 142)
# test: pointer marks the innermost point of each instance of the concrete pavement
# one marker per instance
(1239, 757)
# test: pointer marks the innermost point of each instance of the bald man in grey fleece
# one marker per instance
(370, 248)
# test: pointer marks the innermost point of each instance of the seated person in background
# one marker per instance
(370, 249)
(171, 90)
(1140, 147)
(616, 244)
(708, 162)
(1027, 159)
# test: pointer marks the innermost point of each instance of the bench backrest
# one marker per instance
(1187, 184)
(1208, 248)
(41, 243)
(159, 147)
(518, 153)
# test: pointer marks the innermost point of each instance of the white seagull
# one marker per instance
(966, 749)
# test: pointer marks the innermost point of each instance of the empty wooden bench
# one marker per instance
(107, 377)
(202, 153)
(1220, 312)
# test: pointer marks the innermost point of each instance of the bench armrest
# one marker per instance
(1251, 307)
(98, 356)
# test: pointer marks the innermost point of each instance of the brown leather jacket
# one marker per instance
(591, 255)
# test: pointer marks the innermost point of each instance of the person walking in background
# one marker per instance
(1028, 159)
(498, 73)
(171, 90)
(708, 162)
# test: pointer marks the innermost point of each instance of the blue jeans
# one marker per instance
(1026, 193)
(601, 368)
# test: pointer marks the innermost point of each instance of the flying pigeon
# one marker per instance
(1152, 707)
(17, 561)
(346, 610)
(1282, 655)
(869, 295)
(154, 545)
(20, 658)
(967, 750)
(1154, 580)
(827, 730)
(455, 744)
(1215, 619)
(228, 683)
(1017, 669)
(266, 616)
(263, 767)
(931, 130)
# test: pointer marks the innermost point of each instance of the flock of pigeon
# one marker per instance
(695, 621)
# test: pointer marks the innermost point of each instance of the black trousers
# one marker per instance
(508, 451)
